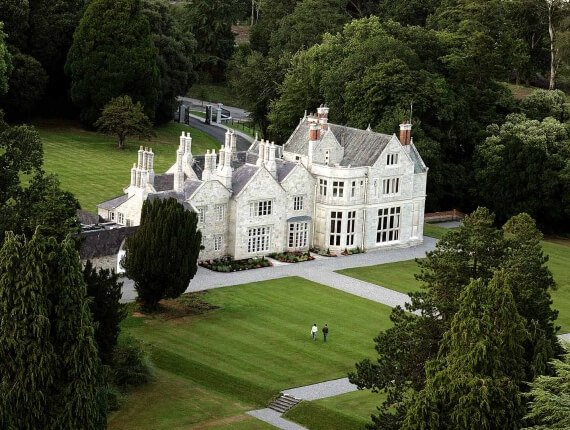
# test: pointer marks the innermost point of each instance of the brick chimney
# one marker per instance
(405, 133)
(323, 115)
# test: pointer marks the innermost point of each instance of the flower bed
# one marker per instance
(356, 250)
(228, 264)
(323, 252)
(292, 256)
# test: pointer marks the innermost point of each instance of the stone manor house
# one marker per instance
(328, 186)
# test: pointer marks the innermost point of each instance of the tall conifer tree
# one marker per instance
(50, 374)
(161, 256)
(474, 382)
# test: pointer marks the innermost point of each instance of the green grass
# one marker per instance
(254, 345)
(90, 166)
(434, 230)
(349, 411)
(396, 276)
(214, 93)
(400, 277)
(559, 264)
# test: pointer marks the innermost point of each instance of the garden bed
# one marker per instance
(228, 264)
(292, 256)
(322, 252)
(356, 250)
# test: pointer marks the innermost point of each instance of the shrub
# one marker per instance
(131, 363)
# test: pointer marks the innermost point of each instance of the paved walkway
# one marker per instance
(322, 390)
(320, 270)
(236, 112)
(274, 418)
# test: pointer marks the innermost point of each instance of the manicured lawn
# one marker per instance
(349, 411)
(434, 230)
(90, 166)
(396, 276)
(400, 276)
(254, 345)
(559, 263)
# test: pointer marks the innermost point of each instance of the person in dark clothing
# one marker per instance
(325, 332)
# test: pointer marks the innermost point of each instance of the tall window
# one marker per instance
(298, 234)
(391, 159)
(201, 214)
(218, 242)
(336, 228)
(391, 186)
(353, 189)
(375, 185)
(261, 208)
(219, 212)
(112, 216)
(323, 187)
(388, 225)
(258, 239)
(338, 189)
(351, 223)
(120, 218)
(298, 203)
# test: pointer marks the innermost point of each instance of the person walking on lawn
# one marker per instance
(325, 332)
(314, 331)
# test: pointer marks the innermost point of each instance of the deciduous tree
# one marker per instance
(523, 167)
(161, 256)
(122, 118)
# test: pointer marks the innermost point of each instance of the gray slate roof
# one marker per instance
(242, 176)
(284, 168)
(361, 147)
(165, 195)
(164, 182)
(190, 186)
(114, 202)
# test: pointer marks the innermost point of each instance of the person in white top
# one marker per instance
(314, 331)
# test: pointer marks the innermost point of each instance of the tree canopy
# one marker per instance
(550, 399)
(50, 375)
(113, 54)
(461, 280)
(161, 256)
(524, 165)
(122, 118)
(38, 202)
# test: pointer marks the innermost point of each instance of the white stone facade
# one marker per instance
(329, 186)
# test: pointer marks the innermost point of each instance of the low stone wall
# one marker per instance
(453, 215)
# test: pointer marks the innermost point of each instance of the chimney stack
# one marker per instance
(270, 164)
(405, 133)
(261, 153)
(323, 115)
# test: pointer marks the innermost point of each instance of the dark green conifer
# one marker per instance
(50, 377)
(161, 256)
(474, 382)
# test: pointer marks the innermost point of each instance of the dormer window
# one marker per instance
(392, 159)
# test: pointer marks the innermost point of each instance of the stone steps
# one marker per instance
(283, 403)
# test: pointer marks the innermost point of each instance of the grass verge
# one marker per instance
(349, 411)
(400, 277)
(253, 345)
(90, 166)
